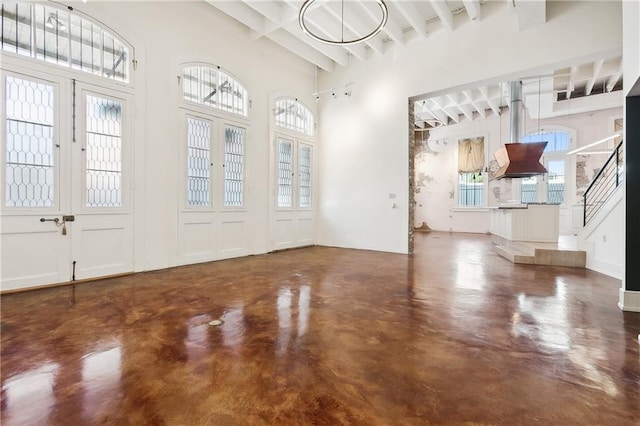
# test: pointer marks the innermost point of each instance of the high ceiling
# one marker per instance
(333, 19)
(410, 20)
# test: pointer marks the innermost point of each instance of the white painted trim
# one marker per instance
(629, 301)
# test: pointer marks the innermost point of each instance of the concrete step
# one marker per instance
(531, 255)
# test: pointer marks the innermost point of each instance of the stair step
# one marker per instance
(542, 256)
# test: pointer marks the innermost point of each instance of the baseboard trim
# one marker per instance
(62, 284)
(629, 300)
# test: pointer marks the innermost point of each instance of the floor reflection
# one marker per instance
(28, 397)
(546, 322)
(286, 316)
(100, 378)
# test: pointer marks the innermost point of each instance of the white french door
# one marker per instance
(66, 193)
(213, 220)
(294, 217)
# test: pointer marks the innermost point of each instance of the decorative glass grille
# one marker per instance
(213, 87)
(304, 168)
(233, 166)
(470, 189)
(198, 162)
(60, 37)
(293, 115)
(30, 156)
(103, 152)
(285, 173)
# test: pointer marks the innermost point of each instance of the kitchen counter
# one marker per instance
(526, 222)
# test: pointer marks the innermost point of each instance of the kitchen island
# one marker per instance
(526, 222)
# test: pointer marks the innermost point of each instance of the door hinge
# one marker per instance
(135, 64)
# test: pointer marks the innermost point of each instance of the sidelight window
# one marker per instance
(285, 173)
(30, 153)
(104, 152)
(198, 162)
(234, 166)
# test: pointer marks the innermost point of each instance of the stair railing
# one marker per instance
(609, 177)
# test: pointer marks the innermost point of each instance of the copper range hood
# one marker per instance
(519, 160)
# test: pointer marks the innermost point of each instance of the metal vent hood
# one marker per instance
(518, 160)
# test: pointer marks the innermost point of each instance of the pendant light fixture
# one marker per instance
(342, 41)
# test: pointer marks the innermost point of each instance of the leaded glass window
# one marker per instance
(234, 166)
(30, 153)
(198, 162)
(293, 115)
(103, 152)
(285, 173)
(61, 37)
(214, 88)
(305, 182)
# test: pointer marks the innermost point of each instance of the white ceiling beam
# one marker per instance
(411, 14)
(572, 81)
(444, 13)
(338, 55)
(439, 103)
(394, 31)
(439, 115)
(241, 12)
(464, 109)
(474, 104)
(300, 48)
(329, 28)
(484, 90)
(275, 18)
(473, 9)
(529, 13)
(355, 24)
(597, 66)
(613, 80)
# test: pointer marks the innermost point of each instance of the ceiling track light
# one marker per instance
(342, 42)
(335, 92)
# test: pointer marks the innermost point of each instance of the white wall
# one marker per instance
(631, 37)
(364, 139)
(436, 174)
(166, 34)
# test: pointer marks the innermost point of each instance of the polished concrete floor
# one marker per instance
(452, 335)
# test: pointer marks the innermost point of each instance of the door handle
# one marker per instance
(56, 220)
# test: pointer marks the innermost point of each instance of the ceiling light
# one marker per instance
(342, 42)
(598, 142)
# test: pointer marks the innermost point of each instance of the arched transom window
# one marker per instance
(215, 88)
(61, 37)
(293, 115)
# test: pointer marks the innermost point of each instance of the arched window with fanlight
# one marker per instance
(291, 114)
(213, 87)
(65, 38)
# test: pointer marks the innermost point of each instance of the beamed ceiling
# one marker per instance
(555, 93)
